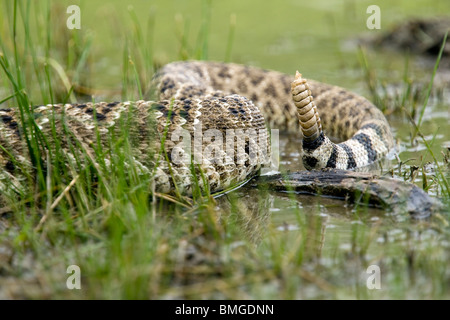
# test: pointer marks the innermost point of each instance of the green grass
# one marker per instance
(407, 103)
(131, 243)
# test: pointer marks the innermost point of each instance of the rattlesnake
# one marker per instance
(211, 101)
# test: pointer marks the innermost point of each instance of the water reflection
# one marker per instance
(258, 211)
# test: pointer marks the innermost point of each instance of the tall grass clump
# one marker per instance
(412, 104)
(79, 209)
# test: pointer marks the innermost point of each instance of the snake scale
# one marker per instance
(227, 106)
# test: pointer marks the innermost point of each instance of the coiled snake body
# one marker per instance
(224, 106)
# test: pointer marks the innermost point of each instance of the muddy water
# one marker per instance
(337, 217)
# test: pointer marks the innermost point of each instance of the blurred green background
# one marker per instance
(316, 37)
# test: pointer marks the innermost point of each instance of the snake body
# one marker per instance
(221, 104)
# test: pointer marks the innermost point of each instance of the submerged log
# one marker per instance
(388, 193)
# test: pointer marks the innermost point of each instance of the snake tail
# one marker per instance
(370, 143)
